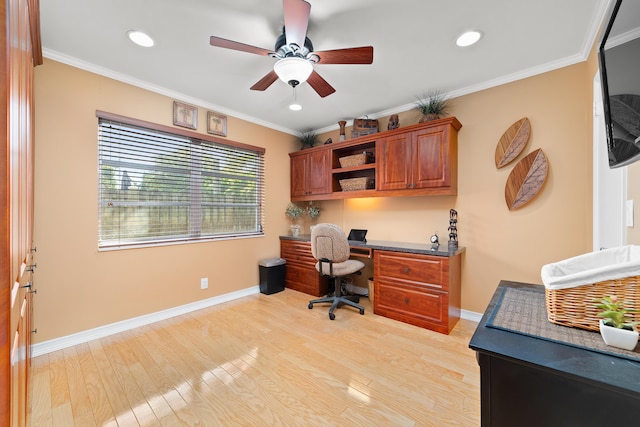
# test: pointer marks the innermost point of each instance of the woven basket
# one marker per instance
(354, 184)
(355, 160)
(576, 307)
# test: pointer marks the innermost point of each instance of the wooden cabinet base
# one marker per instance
(301, 274)
(418, 289)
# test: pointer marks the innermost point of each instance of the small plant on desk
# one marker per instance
(615, 314)
(617, 326)
(294, 212)
(313, 211)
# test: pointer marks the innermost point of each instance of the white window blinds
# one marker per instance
(157, 187)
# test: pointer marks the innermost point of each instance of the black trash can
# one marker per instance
(272, 272)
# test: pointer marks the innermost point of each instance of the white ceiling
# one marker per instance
(413, 40)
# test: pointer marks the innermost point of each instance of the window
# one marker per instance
(161, 185)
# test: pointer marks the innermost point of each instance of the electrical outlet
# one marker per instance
(204, 283)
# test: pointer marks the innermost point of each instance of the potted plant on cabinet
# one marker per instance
(294, 212)
(308, 138)
(616, 327)
(433, 105)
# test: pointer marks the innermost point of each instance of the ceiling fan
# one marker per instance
(295, 55)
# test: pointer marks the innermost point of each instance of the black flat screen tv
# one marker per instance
(619, 60)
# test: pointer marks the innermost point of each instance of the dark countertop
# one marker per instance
(384, 245)
(588, 366)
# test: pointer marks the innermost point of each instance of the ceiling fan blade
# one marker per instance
(296, 19)
(229, 44)
(266, 81)
(354, 55)
(320, 85)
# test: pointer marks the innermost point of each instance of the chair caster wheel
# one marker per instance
(332, 316)
(362, 311)
(310, 306)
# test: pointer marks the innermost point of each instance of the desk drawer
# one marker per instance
(297, 252)
(301, 273)
(417, 306)
(424, 270)
(305, 280)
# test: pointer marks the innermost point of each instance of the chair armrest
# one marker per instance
(327, 260)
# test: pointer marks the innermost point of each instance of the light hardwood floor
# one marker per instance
(263, 360)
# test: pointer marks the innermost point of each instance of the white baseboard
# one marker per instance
(125, 325)
(470, 315)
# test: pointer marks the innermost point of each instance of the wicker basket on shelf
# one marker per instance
(576, 307)
(355, 160)
(354, 184)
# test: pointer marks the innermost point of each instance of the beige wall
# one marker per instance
(80, 288)
(502, 244)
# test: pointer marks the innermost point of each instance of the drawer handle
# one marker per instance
(407, 269)
(406, 300)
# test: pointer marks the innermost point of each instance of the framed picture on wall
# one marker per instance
(216, 124)
(185, 115)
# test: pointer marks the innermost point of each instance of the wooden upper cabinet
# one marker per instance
(420, 159)
(310, 173)
(424, 159)
(432, 158)
(394, 158)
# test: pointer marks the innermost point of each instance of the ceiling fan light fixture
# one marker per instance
(294, 106)
(293, 70)
(468, 38)
(140, 38)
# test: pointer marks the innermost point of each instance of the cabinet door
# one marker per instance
(319, 173)
(310, 173)
(298, 175)
(394, 159)
(430, 157)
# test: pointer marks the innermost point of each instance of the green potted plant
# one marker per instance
(433, 105)
(617, 326)
(314, 213)
(294, 213)
(308, 138)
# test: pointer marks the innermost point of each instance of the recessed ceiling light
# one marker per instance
(468, 38)
(140, 38)
(295, 107)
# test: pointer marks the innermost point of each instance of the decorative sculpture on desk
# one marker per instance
(453, 230)
(435, 243)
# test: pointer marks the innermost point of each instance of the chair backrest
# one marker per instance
(329, 241)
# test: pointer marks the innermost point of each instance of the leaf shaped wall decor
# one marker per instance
(512, 142)
(526, 179)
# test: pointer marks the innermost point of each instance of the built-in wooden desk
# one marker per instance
(413, 282)
(526, 381)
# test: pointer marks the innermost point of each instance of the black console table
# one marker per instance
(527, 381)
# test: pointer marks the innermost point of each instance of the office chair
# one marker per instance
(330, 247)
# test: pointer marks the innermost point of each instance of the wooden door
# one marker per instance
(299, 175)
(430, 156)
(21, 52)
(319, 173)
(394, 158)
(310, 173)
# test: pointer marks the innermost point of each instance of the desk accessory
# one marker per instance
(453, 230)
(357, 234)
